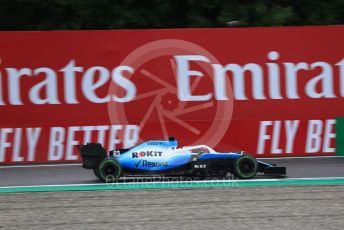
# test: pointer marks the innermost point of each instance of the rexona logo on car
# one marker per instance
(146, 154)
(150, 164)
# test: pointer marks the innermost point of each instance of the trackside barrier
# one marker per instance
(261, 90)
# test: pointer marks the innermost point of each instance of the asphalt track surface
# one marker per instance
(284, 207)
(75, 174)
(264, 207)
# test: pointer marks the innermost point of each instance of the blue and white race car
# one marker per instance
(164, 158)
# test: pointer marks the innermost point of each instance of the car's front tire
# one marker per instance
(245, 167)
(109, 170)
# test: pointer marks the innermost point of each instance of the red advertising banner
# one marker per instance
(267, 91)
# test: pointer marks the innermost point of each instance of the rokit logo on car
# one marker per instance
(146, 154)
(150, 164)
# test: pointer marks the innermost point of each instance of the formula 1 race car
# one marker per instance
(164, 158)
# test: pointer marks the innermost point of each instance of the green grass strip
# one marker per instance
(340, 136)
(175, 184)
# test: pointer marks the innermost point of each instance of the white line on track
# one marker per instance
(177, 182)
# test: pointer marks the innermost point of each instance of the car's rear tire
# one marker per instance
(96, 172)
(109, 170)
(245, 167)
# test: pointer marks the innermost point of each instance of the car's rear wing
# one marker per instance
(91, 154)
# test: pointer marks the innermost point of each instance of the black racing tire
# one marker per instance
(109, 170)
(96, 172)
(245, 167)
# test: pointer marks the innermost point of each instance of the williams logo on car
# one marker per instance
(146, 154)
